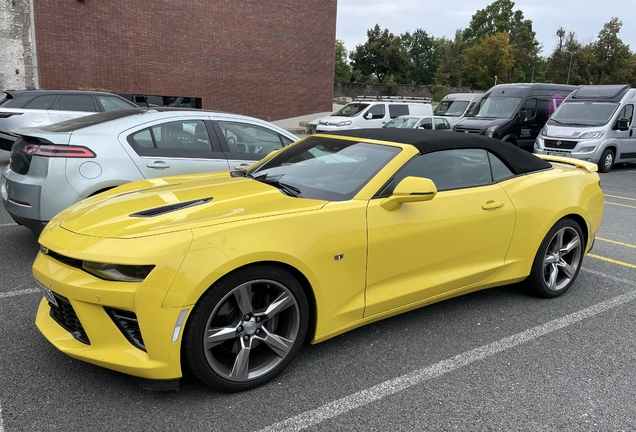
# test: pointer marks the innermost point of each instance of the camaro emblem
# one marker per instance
(558, 143)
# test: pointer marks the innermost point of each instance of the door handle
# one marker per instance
(241, 166)
(158, 164)
(491, 205)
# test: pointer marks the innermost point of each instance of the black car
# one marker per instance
(26, 108)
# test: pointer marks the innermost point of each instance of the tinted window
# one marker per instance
(449, 169)
(530, 108)
(41, 102)
(398, 110)
(143, 139)
(377, 111)
(499, 170)
(627, 113)
(426, 124)
(181, 135)
(112, 103)
(441, 124)
(76, 103)
(246, 138)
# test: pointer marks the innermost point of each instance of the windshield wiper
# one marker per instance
(286, 188)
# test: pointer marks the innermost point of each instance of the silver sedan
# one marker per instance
(55, 166)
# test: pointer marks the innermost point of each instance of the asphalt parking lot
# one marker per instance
(496, 360)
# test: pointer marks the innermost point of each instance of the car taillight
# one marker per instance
(57, 151)
(8, 114)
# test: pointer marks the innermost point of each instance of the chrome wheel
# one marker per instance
(558, 260)
(562, 259)
(607, 161)
(246, 328)
(252, 330)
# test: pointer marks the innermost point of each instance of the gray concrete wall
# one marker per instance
(17, 69)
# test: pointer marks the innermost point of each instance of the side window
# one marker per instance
(286, 141)
(450, 169)
(177, 138)
(76, 103)
(426, 124)
(499, 170)
(398, 110)
(441, 124)
(627, 113)
(111, 103)
(377, 111)
(41, 102)
(530, 109)
(246, 138)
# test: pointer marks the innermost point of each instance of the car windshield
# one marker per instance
(351, 110)
(451, 108)
(402, 122)
(495, 107)
(325, 168)
(583, 114)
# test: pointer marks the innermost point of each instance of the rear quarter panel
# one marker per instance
(542, 199)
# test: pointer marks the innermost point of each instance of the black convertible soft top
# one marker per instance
(427, 141)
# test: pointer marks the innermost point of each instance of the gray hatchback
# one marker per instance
(55, 166)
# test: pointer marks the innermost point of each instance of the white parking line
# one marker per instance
(1, 426)
(7, 224)
(17, 293)
(404, 382)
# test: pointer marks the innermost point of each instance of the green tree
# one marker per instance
(490, 58)
(342, 72)
(612, 57)
(382, 55)
(451, 57)
(500, 17)
(425, 59)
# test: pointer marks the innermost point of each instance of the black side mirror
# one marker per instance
(622, 124)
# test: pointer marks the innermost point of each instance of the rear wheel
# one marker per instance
(558, 260)
(607, 161)
(246, 329)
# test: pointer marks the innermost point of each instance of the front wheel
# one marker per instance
(558, 260)
(607, 161)
(246, 329)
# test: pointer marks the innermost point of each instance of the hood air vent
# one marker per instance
(158, 211)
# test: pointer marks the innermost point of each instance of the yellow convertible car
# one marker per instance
(229, 273)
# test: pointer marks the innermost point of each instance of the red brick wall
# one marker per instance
(270, 59)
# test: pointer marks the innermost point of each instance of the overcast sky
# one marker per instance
(442, 18)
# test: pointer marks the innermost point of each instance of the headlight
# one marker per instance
(595, 134)
(117, 272)
(344, 123)
(491, 131)
(587, 149)
(543, 132)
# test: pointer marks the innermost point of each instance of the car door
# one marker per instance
(245, 143)
(426, 249)
(174, 146)
(376, 116)
(626, 140)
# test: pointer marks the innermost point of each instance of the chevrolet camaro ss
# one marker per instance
(229, 273)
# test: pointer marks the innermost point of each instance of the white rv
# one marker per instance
(594, 123)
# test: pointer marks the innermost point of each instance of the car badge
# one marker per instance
(558, 143)
(338, 257)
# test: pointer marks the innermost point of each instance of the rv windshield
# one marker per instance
(351, 110)
(583, 114)
(495, 107)
(451, 108)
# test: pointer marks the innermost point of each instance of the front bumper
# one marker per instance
(587, 150)
(87, 329)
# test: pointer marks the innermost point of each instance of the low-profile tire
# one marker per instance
(246, 328)
(558, 260)
(606, 162)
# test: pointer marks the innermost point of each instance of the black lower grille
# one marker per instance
(556, 144)
(467, 130)
(128, 324)
(65, 315)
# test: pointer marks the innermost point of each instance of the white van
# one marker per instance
(594, 123)
(370, 114)
(455, 106)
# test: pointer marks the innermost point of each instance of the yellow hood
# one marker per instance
(175, 203)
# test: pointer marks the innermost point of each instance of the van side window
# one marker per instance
(531, 109)
(398, 110)
(377, 111)
(627, 113)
